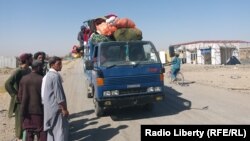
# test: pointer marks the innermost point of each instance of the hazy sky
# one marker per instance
(52, 25)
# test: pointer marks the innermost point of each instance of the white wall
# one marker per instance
(162, 55)
(215, 55)
(188, 57)
(10, 62)
(200, 58)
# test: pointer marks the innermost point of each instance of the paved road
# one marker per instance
(192, 104)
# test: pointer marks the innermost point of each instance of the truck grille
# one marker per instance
(132, 80)
(133, 91)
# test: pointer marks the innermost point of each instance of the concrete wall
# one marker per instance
(188, 57)
(216, 55)
(10, 62)
(200, 59)
(244, 55)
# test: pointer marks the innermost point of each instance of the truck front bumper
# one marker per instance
(126, 101)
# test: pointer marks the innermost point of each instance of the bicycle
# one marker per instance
(178, 80)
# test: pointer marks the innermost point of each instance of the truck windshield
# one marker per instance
(127, 53)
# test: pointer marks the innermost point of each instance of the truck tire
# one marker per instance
(99, 111)
(90, 92)
(89, 95)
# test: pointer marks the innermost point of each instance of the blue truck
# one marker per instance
(124, 73)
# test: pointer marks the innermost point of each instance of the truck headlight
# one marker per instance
(115, 92)
(106, 93)
(111, 93)
(154, 89)
(150, 89)
(157, 89)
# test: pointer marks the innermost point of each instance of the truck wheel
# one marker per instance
(99, 111)
(90, 92)
(90, 95)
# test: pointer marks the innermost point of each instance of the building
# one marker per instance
(214, 52)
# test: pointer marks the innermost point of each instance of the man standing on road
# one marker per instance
(41, 56)
(55, 104)
(29, 95)
(12, 86)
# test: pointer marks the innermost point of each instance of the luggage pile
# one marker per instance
(76, 51)
(112, 28)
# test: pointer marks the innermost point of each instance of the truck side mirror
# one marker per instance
(89, 65)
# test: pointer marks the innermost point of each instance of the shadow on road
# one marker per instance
(183, 84)
(103, 133)
(186, 83)
(172, 104)
(81, 123)
(78, 131)
(80, 114)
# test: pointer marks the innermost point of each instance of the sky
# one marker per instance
(52, 25)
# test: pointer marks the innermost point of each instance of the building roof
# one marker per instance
(212, 41)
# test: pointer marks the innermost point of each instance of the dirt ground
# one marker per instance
(232, 78)
(6, 124)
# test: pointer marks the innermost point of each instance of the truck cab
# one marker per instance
(124, 73)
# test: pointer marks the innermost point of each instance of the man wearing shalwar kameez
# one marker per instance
(175, 66)
(12, 86)
(29, 95)
(55, 104)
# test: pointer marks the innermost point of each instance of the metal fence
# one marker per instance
(8, 62)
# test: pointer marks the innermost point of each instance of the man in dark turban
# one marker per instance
(41, 57)
(29, 95)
